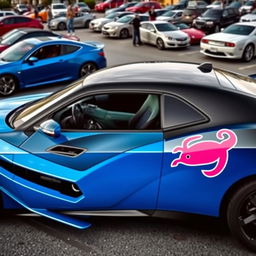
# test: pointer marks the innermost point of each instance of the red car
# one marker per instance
(195, 34)
(108, 4)
(8, 23)
(143, 7)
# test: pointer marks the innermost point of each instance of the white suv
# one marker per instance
(58, 9)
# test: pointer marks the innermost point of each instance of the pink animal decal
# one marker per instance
(206, 152)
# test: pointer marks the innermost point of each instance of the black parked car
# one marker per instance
(214, 19)
(190, 14)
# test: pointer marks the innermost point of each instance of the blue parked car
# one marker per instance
(140, 139)
(47, 60)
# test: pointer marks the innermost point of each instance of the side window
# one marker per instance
(179, 113)
(116, 111)
(9, 21)
(145, 26)
(150, 27)
(66, 49)
(46, 52)
(21, 20)
(1, 14)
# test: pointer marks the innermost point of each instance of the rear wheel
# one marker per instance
(8, 85)
(87, 69)
(160, 44)
(248, 53)
(241, 215)
(62, 26)
(124, 33)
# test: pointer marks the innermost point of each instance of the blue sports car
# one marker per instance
(140, 139)
(47, 60)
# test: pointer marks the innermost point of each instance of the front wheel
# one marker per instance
(160, 44)
(62, 26)
(87, 69)
(241, 215)
(8, 85)
(248, 53)
(124, 33)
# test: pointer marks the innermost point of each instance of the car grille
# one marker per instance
(181, 39)
(215, 53)
(64, 187)
(201, 23)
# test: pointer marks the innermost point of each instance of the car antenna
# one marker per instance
(205, 67)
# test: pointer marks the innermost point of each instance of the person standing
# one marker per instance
(136, 30)
(152, 14)
(49, 15)
(70, 19)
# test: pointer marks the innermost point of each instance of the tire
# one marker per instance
(160, 44)
(124, 33)
(248, 53)
(8, 85)
(87, 68)
(217, 29)
(86, 24)
(62, 26)
(241, 215)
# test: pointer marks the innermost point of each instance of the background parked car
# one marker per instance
(42, 15)
(215, 4)
(175, 7)
(237, 41)
(8, 23)
(97, 24)
(121, 8)
(58, 8)
(195, 35)
(81, 20)
(248, 7)
(143, 7)
(197, 5)
(108, 4)
(122, 28)
(47, 60)
(248, 17)
(170, 16)
(7, 13)
(82, 7)
(163, 35)
(213, 20)
(189, 15)
(21, 8)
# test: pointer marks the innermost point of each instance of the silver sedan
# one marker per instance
(163, 35)
(82, 20)
(237, 41)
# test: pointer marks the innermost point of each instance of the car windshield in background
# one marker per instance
(13, 38)
(8, 34)
(111, 15)
(239, 30)
(240, 82)
(16, 52)
(125, 19)
(249, 3)
(23, 114)
(212, 13)
(168, 14)
(182, 26)
(164, 27)
(59, 6)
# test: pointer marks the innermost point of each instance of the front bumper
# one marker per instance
(176, 44)
(110, 32)
(95, 27)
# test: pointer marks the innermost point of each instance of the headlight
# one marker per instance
(209, 22)
(53, 23)
(115, 28)
(169, 37)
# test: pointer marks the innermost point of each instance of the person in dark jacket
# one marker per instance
(152, 14)
(136, 30)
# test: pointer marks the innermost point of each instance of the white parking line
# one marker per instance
(188, 53)
(247, 67)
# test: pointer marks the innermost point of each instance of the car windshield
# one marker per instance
(212, 13)
(235, 4)
(182, 25)
(125, 19)
(239, 30)
(249, 3)
(168, 14)
(29, 111)
(240, 82)
(59, 6)
(16, 52)
(13, 38)
(22, 6)
(164, 27)
(112, 15)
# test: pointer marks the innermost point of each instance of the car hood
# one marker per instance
(175, 34)
(164, 18)
(249, 17)
(207, 18)
(225, 37)
(101, 20)
(115, 24)
(193, 32)
(8, 105)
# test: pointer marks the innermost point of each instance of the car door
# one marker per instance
(180, 182)
(53, 65)
(79, 20)
(145, 33)
(116, 165)
(152, 33)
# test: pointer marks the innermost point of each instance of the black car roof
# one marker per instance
(169, 72)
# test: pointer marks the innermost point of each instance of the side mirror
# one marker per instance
(50, 128)
(32, 59)
(152, 30)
